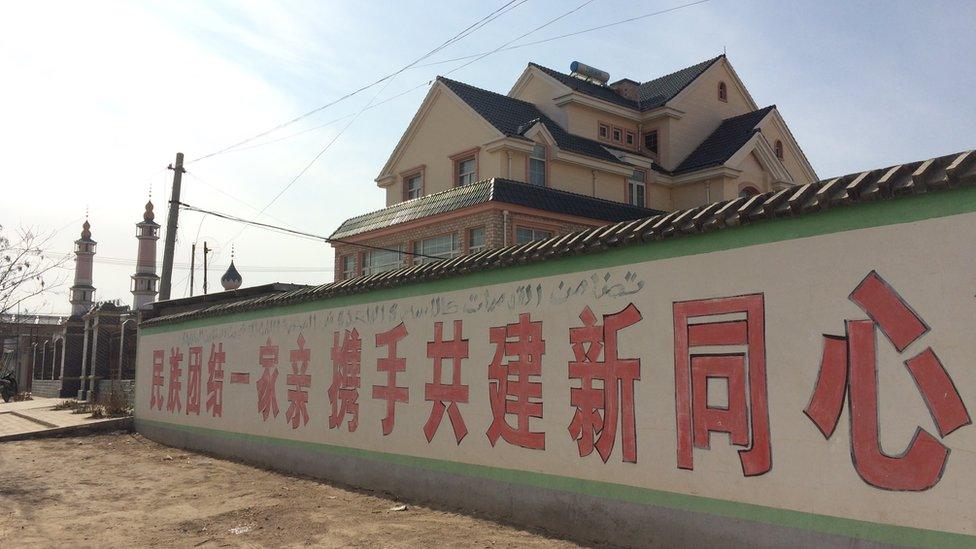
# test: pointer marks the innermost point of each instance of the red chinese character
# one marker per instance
(193, 380)
(391, 364)
(175, 372)
(849, 365)
(746, 415)
(594, 424)
(344, 391)
(297, 412)
(267, 401)
(156, 392)
(438, 392)
(215, 379)
(523, 342)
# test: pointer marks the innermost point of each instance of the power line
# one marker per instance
(505, 8)
(540, 27)
(302, 234)
(329, 123)
(567, 35)
(354, 118)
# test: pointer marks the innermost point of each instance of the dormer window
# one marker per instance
(617, 135)
(723, 92)
(779, 149)
(630, 138)
(604, 131)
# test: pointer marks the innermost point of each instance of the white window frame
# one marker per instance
(535, 160)
(419, 191)
(635, 184)
(468, 177)
(348, 264)
(535, 234)
(372, 266)
(484, 240)
(434, 246)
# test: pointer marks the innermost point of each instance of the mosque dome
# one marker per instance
(231, 279)
(86, 231)
(149, 215)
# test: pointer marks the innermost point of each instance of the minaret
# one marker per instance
(231, 279)
(144, 281)
(82, 291)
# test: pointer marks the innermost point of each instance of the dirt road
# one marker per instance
(123, 490)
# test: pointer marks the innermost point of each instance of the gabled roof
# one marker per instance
(724, 142)
(651, 94)
(933, 175)
(513, 117)
(657, 92)
(492, 190)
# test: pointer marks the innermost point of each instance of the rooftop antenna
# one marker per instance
(723, 50)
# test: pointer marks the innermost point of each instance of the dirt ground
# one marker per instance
(120, 490)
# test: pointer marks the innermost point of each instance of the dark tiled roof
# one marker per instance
(725, 141)
(954, 170)
(651, 95)
(657, 92)
(513, 117)
(592, 89)
(492, 190)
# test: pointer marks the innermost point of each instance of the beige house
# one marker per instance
(477, 169)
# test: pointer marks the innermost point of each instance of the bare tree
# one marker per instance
(26, 268)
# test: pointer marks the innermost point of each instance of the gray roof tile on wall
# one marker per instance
(931, 175)
(491, 190)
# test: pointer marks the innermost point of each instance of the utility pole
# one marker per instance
(193, 256)
(169, 246)
(206, 251)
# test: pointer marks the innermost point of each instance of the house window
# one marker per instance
(604, 131)
(537, 166)
(476, 240)
(467, 170)
(637, 188)
(348, 266)
(650, 141)
(438, 247)
(630, 139)
(379, 261)
(414, 186)
(723, 92)
(524, 235)
(617, 135)
(779, 149)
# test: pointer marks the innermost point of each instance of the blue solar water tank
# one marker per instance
(589, 72)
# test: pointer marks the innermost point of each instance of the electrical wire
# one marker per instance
(505, 8)
(298, 233)
(540, 27)
(360, 112)
(567, 35)
(462, 58)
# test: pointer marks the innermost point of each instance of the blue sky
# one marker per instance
(97, 100)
